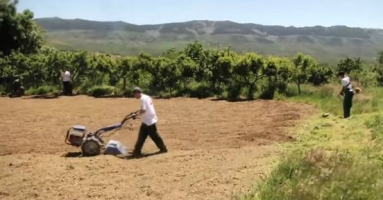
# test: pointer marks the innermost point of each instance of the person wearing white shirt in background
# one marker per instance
(347, 92)
(67, 86)
(148, 125)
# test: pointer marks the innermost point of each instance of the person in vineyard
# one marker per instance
(17, 87)
(66, 80)
(148, 125)
(347, 92)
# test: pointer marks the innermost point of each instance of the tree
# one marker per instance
(380, 57)
(81, 66)
(124, 70)
(200, 56)
(249, 69)
(379, 69)
(171, 53)
(220, 67)
(165, 75)
(319, 75)
(349, 65)
(37, 70)
(270, 71)
(187, 69)
(171, 75)
(18, 31)
(284, 74)
(301, 71)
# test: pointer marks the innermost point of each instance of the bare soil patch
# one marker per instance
(215, 148)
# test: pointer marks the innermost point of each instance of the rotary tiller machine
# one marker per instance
(91, 143)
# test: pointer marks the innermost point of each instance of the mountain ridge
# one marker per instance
(107, 36)
(181, 22)
(79, 24)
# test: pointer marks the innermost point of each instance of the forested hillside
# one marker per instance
(124, 38)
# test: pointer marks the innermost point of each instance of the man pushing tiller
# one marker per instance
(148, 125)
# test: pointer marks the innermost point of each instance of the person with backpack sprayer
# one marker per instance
(347, 92)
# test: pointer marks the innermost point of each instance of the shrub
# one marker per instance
(127, 93)
(199, 91)
(2, 90)
(101, 90)
(268, 90)
(234, 91)
(42, 90)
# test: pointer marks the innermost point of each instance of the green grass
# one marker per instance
(332, 158)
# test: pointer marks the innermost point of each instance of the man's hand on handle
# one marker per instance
(130, 116)
(137, 112)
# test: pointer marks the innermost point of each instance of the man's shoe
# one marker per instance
(136, 154)
(163, 151)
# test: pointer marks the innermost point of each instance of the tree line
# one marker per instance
(211, 72)
(193, 71)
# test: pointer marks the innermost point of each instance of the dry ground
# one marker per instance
(215, 148)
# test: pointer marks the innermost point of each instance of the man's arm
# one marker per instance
(143, 107)
(342, 91)
(344, 83)
(140, 111)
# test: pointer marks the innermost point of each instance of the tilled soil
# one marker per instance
(216, 148)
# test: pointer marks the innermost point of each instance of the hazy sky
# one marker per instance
(355, 13)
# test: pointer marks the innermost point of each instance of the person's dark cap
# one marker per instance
(137, 90)
(341, 73)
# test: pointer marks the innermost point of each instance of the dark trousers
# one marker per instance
(67, 87)
(150, 131)
(16, 88)
(347, 103)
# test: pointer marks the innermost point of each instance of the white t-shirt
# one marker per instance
(347, 82)
(66, 76)
(149, 117)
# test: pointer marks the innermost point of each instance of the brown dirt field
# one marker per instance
(215, 148)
